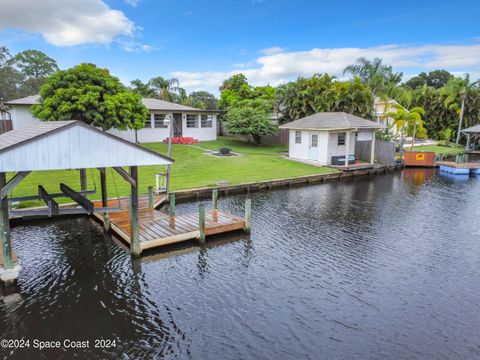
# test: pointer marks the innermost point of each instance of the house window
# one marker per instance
(341, 139)
(148, 123)
(192, 121)
(314, 140)
(159, 121)
(298, 137)
(207, 121)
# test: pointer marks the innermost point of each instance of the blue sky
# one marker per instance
(201, 42)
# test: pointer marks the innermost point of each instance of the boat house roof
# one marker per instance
(473, 129)
(332, 121)
(60, 145)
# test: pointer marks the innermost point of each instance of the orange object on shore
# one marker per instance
(419, 158)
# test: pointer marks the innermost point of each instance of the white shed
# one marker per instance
(329, 137)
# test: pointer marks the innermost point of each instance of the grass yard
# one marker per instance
(439, 149)
(192, 169)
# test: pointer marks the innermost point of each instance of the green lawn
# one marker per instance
(438, 149)
(192, 169)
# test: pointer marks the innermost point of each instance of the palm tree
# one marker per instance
(458, 87)
(377, 76)
(165, 89)
(402, 117)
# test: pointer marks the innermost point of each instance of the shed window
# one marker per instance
(192, 121)
(314, 140)
(341, 139)
(298, 137)
(148, 123)
(159, 121)
(207, 121)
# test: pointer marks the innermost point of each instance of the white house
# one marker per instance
(187, 121)
(329, 138)
(381, 109)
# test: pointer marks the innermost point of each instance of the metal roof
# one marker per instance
(473, 129)
(59, 145)
(150, 104)
(332, 121)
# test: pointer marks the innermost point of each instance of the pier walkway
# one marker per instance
(159, 229)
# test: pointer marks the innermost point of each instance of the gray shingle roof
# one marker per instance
(473, 129)
(150, 104)
(29, 100)
(330, 121)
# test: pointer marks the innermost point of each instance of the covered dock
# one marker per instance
(73, 145)
(473, 139)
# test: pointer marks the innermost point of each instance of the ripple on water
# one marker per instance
(383, 267)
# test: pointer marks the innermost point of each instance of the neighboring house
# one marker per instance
(328, 137)
(187, 121)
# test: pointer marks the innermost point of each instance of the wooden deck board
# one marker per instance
(159, 229)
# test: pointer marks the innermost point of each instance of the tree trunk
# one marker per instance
(461, 120)
(257, 139)
(401, 142)
(414, 132)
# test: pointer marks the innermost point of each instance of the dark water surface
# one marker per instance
(380, 267)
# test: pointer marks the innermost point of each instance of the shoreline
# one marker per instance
(305, 180)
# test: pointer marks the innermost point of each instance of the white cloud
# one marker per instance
(66, 22)
(133, 46)
(133, 3)
(272, 50)
(280, 67)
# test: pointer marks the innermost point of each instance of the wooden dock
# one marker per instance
(463, 165)
(160, 229)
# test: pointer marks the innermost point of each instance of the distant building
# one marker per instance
(329, 137)
(187, 121)
(381, 110)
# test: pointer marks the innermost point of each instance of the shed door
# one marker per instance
(313, 147)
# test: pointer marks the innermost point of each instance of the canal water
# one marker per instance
(375, 267)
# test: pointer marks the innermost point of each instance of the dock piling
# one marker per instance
(248, 215)
(171, 204)
(134, 214)
(5, 235)
(201, 223)
(151, 202)
(215, 199)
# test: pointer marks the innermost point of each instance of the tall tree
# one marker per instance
(34, 66)
(141, 88)
(92, 95)
(251, 117)
(203, 100)
(10, 78)
(165, 89)
(458, 88)
(378, 76)
(436, 79)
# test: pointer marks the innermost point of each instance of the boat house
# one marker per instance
(328, 138)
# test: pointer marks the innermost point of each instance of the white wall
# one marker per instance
(75, 147)
(365, 135)
(21, 117)
(339, 150)
(301, 151)
(298, 151)
(202, 134)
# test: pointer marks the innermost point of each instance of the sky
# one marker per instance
(203, 42)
